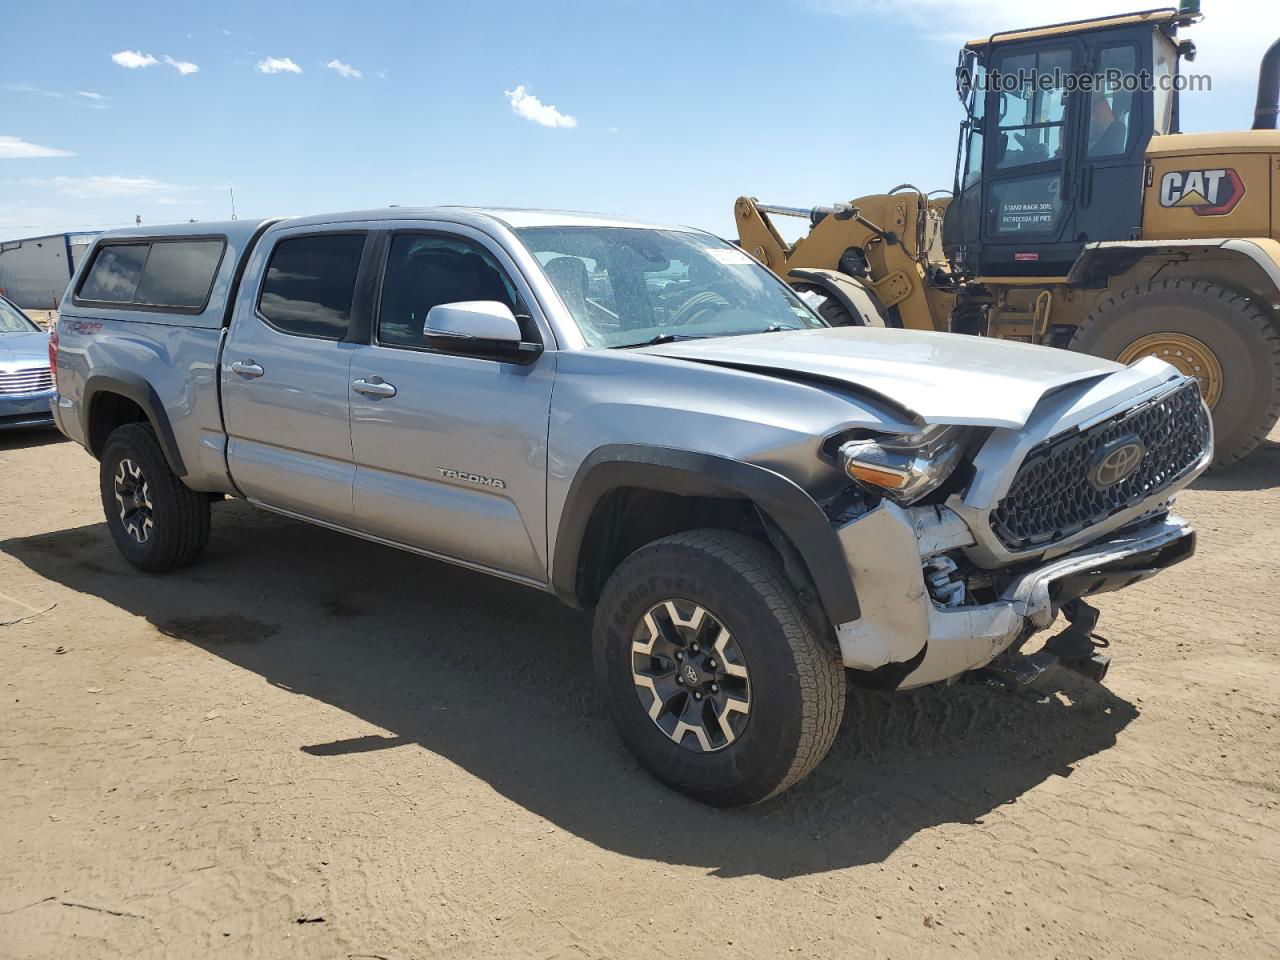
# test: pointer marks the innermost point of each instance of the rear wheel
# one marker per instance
(156, 521)
(1206, 331)
(715, 678)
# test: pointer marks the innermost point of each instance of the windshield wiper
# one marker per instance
(660, 338)
(771, 328)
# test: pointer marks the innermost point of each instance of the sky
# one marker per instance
(665, 110)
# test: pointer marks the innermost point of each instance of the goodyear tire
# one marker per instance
(1222, 338)
(715, 678)
(156, 521)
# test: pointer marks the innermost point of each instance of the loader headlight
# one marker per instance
(905, 467)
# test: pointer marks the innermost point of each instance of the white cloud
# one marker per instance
(525, 104)
(31, 88)
(105, 188)
(15, 148)
(382, 74)
(278, 65)
(133, 59)
(184, 67)
(345, 69)
(94, 101)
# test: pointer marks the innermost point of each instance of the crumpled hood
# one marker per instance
(937, 377)
(24, 349)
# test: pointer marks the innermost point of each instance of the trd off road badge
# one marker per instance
(1209, 193)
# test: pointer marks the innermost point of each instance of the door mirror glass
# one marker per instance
(455, 325)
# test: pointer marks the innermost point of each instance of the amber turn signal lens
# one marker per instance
(877, 478)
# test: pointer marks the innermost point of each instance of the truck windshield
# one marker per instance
(12, 320)
(627, 286)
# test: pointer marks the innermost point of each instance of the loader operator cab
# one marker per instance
(1051, 153)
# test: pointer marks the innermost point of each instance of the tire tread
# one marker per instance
(817, 661)
(179, 546)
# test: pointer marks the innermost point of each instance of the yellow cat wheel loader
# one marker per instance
(1080, 218)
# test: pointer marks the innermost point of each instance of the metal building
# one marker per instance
(34, 272)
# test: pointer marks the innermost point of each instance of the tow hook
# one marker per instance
(1075, 648)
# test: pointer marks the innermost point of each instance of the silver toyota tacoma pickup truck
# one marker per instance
(649, 424)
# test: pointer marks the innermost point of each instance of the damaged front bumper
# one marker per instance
(906, 639)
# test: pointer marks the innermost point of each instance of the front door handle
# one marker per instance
(374, 387)
(247, 369)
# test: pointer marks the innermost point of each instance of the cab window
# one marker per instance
(1165, 60)
(1111, 106)
(1031, 109)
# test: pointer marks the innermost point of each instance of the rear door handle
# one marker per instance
(247, 369)
(374, 387)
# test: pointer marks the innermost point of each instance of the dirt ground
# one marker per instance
(312, 746)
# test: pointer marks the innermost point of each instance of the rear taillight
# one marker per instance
(53, 355)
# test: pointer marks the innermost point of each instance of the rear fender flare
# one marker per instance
(133, 386)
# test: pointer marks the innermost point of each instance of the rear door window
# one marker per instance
(311, 283)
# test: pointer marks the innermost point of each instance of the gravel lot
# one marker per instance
(312, 746)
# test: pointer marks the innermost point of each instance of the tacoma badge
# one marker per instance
(473, 478)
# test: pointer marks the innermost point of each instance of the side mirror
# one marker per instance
(484, 328)
(472, 320)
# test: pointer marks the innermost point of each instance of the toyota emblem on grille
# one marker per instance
(1116, 462)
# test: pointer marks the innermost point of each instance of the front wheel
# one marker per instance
(715, 678)
(156, 521)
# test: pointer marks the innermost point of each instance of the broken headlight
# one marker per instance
(905, 467)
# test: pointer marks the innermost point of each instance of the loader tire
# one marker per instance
(1223, 339)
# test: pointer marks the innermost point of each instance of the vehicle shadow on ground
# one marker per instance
(1257, 471)
(28, 437)
(497, 679)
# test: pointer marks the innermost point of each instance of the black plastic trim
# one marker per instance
(688, 473)
(233, 292)
(134, 387)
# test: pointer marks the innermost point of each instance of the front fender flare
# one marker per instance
(689, 473)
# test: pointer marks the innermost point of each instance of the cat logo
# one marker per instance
(1208, 193)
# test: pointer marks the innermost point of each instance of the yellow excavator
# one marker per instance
(1080, 218)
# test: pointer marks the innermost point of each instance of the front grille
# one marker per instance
(31, 380)
(1052, 496)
